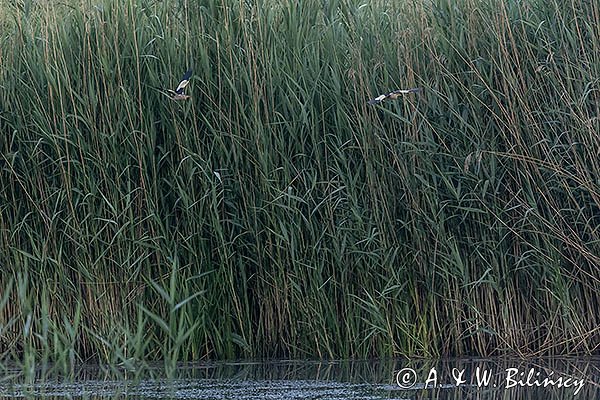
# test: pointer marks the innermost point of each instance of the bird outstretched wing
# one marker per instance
(392, 95)
(378, 99)
(184, 82)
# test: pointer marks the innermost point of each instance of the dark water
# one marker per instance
(341, 380)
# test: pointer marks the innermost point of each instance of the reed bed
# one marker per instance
(276, 214)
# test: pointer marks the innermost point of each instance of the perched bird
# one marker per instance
(178, 94)
(393, 95)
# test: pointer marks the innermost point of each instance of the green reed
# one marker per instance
(275, 214)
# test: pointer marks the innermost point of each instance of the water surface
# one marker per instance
(336, 380)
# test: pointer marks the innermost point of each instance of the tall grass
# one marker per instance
(275, 214)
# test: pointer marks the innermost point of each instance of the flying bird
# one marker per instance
(393, 95)
(178, 94)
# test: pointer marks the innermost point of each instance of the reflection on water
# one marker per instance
(344, 380)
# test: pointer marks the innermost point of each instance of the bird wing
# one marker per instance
(405, 91)
(184, 81)
(393, 95)
(378, 99)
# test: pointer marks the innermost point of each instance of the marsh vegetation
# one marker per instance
(275, 213)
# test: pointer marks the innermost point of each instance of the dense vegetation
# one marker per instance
(276, 213)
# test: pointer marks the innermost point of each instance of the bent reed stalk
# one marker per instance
(274, 213)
